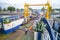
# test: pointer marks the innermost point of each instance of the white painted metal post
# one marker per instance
(35, 35)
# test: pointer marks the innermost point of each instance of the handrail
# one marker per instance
(57, 34)
(56, 19)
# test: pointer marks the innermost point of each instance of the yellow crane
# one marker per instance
(26, 9)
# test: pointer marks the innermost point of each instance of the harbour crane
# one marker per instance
(26, 9)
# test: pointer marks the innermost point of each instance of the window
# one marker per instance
(13, 18)
(6, 20)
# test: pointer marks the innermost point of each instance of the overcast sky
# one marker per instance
(20, 3)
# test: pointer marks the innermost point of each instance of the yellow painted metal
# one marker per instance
(26, 9)
(26, 12)
(47, 15)
(48, 10)
(38, 5)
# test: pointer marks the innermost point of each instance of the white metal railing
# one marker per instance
(57, 35)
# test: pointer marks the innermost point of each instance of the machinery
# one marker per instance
(26, 9)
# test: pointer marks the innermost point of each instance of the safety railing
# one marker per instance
(57, 35)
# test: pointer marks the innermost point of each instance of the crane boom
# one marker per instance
(38, 5)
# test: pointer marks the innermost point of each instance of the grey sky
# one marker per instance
(20, 3)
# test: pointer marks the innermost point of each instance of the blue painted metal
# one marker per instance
(0, 20)
(11, 30)
(39, 35)
(1, 25)
(48, 28)
(30, 16)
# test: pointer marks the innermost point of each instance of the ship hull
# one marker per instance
(13, 26)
